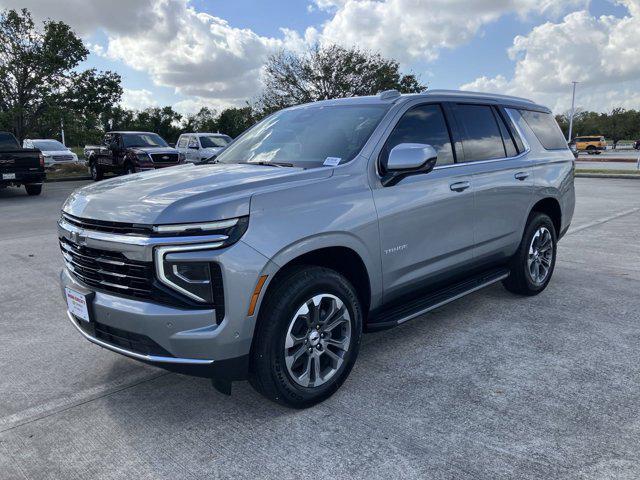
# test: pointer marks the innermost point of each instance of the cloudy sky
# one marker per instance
(190, 53)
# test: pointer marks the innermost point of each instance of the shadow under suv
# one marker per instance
(320, 222)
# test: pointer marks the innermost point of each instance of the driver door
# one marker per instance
(425, 220)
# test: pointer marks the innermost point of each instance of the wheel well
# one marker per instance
(551, 207)
(341, 259)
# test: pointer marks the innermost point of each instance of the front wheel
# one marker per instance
(96, 172)
(307, 337)
(532, 265)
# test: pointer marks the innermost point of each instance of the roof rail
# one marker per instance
(389, 94)
(466, 93)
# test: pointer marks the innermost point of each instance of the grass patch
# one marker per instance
(69, 170)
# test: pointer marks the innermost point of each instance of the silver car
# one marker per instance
(321, 222)
(202, 147)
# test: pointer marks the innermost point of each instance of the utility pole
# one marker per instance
(62, 131)
(573, 110)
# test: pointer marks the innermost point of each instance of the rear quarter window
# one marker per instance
(545, 128)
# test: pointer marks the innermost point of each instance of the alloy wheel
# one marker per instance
(317, 341)
(540, 255)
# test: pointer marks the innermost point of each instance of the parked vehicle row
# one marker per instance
(130, 152)
(320, 222)
(20, 166)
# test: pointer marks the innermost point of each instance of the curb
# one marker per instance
(607, 175)
(607, 160)
(67, 179)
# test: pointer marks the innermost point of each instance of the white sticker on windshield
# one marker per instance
(331, 161)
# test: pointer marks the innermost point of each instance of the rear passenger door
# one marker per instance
(502, 178)
(425, 220)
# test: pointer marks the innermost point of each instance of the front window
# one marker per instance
(307, 137)
(48, 145)
(216, 141)
(143, 140)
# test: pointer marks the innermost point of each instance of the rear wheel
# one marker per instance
(33, 190)
(96, 171)
(129, 169)
(532, 265)
(591, 150)
(307, 338)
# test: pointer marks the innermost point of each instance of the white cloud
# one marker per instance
(599, 52)
(88, 15)
(421, 29)
(137, 99)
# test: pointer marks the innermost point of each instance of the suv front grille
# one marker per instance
(62, 158)
(108, 227)
(110, 271)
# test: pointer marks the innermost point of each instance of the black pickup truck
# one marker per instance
(20, 166)
(130, 152)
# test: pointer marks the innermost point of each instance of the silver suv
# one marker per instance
(319, 223)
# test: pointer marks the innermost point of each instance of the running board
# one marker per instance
(404, 312)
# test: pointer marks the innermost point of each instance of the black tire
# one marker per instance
(96, 172)
(591, 150)
(268, 372)
(33, 190)
(129, 169)
(520, 279)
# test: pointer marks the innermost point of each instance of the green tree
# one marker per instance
(234, 121)
(203, 121)
(39, 83)
(329, 72)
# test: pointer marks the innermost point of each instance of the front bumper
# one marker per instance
(191, 341)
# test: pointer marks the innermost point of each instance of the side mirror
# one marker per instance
(409, 159)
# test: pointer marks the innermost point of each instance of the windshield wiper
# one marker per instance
(269, 164)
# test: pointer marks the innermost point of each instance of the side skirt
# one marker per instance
(398, 314)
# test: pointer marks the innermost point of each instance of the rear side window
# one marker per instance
(182, 143)
(545, 128)
(8, 142)
(481, 137)
(422, 124)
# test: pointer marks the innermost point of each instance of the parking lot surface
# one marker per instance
(491, 386)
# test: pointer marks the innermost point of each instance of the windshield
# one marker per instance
(214, 141)
(143, 140)
(307, 137)
(48, 145)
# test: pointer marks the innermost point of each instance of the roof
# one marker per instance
(388, 97)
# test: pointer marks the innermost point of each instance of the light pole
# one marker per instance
(62, 131)
(573, 110)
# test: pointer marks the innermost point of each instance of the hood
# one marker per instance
(211, 150)
(185, 193)
(51, 153)
(155, 150)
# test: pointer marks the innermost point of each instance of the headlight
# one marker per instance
(194, 278)
(144, 158)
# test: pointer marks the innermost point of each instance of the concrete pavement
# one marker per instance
(491, 386)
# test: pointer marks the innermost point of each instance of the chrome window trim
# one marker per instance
(138, 356)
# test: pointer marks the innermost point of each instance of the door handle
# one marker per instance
(521, 176)
(459, 186)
